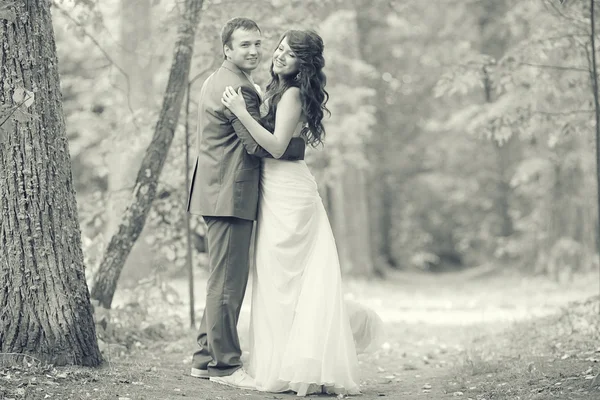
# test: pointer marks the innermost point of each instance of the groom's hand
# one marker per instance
(252, 101)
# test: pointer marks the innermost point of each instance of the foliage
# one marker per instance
(350, 102)
(407, 86)
(545, 102)
(146, 313)
(448, 156)
(91, 95)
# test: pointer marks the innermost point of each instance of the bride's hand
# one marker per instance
(234, 101)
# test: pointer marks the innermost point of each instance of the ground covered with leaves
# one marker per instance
(447, 336)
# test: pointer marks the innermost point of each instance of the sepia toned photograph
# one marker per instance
(274, 199)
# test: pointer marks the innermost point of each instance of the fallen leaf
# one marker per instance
(18, 95)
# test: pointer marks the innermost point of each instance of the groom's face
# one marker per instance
(244, 49)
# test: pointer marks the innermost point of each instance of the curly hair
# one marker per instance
(308, 46)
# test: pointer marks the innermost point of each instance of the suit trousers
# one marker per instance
(228, 253)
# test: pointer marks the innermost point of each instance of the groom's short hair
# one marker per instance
(236, 23)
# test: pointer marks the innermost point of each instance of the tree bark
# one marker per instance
(45, 308)
(144, 192)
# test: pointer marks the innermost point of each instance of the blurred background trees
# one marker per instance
(461, 135)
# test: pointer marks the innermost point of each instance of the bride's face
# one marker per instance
(284, 60)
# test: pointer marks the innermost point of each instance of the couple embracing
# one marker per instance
(250, 171)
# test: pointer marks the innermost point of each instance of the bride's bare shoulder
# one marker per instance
(290, 100)
(292, 93)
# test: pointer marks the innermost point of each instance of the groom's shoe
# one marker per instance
(199, 373)
(239, 379)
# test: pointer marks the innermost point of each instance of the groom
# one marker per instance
(224, 190)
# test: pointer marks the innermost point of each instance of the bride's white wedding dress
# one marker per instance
(300, 333)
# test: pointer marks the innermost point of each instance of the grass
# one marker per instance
(447, 337)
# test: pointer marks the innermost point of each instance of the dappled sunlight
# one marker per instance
(446, 299)
(458, 173)
(450, 299)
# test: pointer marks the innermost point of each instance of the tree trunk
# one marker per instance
(351, 222)
(45, 304)
(594, 78)
(144, 191)
(491, 13)
(129, 143)
(380, 193)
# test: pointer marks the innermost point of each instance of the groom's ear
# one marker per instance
(226, 50)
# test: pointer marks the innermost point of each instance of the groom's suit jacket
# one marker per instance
(225, 182)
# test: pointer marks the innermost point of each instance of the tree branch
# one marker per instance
(15, 108)
(562, 113)
(106, 55)
(556, 67)
(135, 215)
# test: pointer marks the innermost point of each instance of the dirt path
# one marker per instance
(415, 365)
(433, 325)
(430, 322)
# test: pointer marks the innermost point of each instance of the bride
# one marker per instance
(301, 338)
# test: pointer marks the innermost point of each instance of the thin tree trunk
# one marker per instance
(45, 308)
(380, 193)
(596, 100)
(351, 222)
(188, 227)
(134, 218)
(597, 115)
(129, 143)
(352, 225)
(505, 152)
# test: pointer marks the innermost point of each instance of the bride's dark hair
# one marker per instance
(307, 45)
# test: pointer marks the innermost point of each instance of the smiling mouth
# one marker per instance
(252, 59)
(279, 64)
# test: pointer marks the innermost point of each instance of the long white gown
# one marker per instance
(300, 333)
